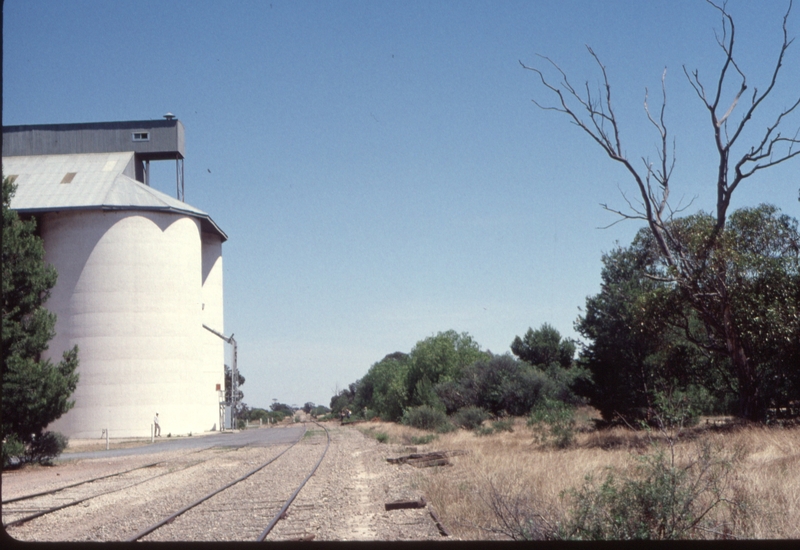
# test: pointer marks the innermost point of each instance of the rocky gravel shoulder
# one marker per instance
(345, 500)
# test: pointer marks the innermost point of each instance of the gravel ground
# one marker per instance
(343, 501)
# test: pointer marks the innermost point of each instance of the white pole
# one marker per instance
(106, 439)
(152, 433)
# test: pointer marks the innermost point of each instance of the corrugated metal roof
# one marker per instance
(97, 181)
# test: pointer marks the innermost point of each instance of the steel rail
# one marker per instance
(92, 480)
(84, 482)
(41, 513)
(169, 519)
(288, 503)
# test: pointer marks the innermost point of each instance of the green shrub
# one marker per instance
(424, 417)
(661, 500)
(13, 451)
(682, 408)
(553, 422)
(496, 384)
(258, 415)
(501, 384)
(503, 425)
(446, 427)
(46, 446)
(470, 418)
(382, 437)
(484, 430)
(422, 440)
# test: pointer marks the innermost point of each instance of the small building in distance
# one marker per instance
(139, 274)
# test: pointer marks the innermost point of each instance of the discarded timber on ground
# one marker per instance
(420, 503)
(425, 460)
(444, 532)
(402, 504)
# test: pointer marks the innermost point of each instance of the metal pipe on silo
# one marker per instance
(234, 372)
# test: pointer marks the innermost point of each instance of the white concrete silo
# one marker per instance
(213, 349)
(139, 273)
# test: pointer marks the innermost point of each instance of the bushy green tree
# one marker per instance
(761, 248)
(543, 347)
(503, 385)
(620, 342)
(449, 371)
(282, 408)
(647, 338)
(438, 359)
(383, 388)
(499, 384)
(637, 352)
(751, 334)
(35, 391)
(345, 399)
(256, 414)
(697, 256)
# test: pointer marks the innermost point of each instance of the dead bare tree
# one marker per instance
(696, 271)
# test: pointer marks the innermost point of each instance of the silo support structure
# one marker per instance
(234, 373)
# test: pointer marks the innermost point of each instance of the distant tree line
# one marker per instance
(278, 411)
(449, 372)
(647, 350)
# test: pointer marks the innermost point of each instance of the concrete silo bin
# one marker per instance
(139, 273)
(129, 295)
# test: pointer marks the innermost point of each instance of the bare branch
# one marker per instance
(765, 150)
(660, 279)
(726, 43)
(602, 127)
(757, 99)
(621, 214)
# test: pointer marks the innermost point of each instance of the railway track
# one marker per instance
(19, 510)
(249, 507)
(246, 508)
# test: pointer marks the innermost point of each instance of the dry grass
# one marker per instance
(88, 445)
(529, 476)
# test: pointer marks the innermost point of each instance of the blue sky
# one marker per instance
(379, 167)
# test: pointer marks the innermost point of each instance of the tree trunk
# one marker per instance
(749, 406)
